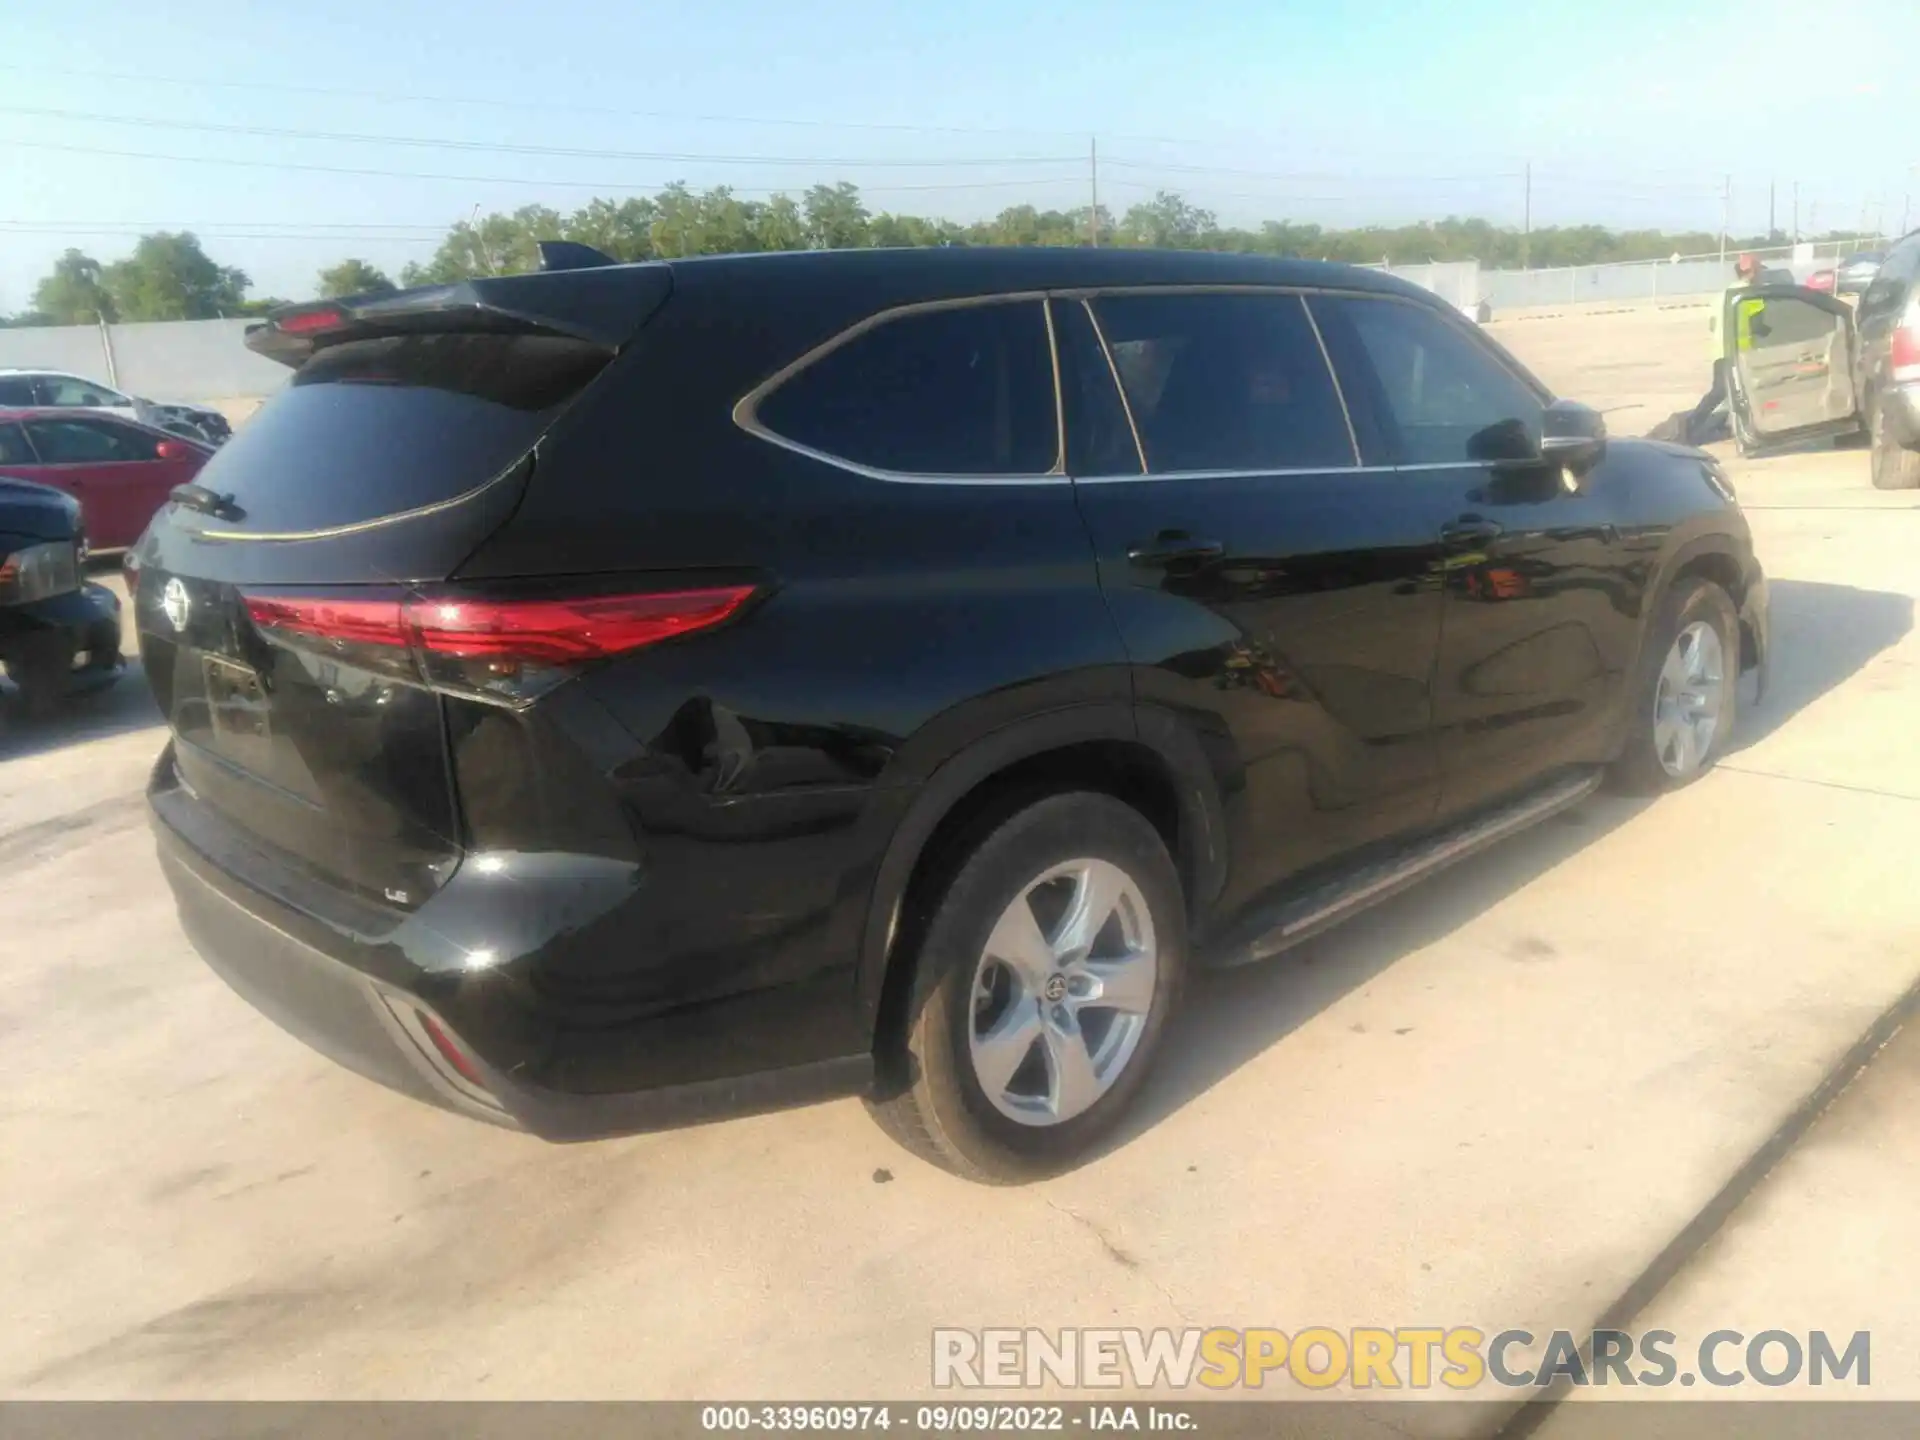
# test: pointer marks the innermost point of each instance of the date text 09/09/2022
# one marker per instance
(944, 1419)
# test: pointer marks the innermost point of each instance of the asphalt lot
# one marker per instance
(1492, 1101)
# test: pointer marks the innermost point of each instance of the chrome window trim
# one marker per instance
(1059, 393)
(746, 408)
(1126, 405)
(1339, 390)
(1283, 473)
(1089, 294)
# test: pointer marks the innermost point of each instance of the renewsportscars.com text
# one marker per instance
(1399, 1358)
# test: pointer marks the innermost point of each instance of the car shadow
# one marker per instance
(119, 708)
(1823, 635)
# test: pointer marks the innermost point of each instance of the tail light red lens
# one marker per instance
(565, 632)
(1904, 354)
(511, 650)
(311, 322)
(462, 1064)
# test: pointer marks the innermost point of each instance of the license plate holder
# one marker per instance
(236, 700)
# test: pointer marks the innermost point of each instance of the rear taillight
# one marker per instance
(311, 322)
(463, 1066)
(505, 649)
(1904, 351)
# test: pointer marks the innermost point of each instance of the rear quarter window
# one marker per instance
(963, 390)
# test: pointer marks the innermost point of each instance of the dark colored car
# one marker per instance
(120, 471)
(58, 634)
(1818, 366)
(1888, 370)
(1856, 272)
(616, 695)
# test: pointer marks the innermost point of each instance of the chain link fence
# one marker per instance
(1465, 284)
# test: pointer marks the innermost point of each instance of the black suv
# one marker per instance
(629, 693)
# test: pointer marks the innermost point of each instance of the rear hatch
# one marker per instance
(278, 598)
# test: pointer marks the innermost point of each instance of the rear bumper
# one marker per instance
(468, 1043)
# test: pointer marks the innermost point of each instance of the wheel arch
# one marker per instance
(1145, 756)
(1714, 556)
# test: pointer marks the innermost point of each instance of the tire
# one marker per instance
(1656, 756)
(1894, 466)
(942, 1066)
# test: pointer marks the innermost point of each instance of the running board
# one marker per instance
(1324, 905)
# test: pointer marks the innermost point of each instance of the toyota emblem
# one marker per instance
(175, 605)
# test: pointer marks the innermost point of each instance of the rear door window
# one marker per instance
(373, 428)
(1887, 293)
(14, 449)
(1443, 393)
(1226, 381)
(962, 390)
(87, 442)
(17, 390)
(65, 390)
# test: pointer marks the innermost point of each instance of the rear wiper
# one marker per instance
(208, 502)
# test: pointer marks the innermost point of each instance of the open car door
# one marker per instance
(1790, 353)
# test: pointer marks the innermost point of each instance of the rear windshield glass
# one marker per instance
(372, 428)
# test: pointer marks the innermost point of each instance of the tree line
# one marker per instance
(169, 276)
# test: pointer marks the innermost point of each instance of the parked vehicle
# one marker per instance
(630, 693)
(58, 634)
(1888, 370)
(1818, 368)
(55, 389)
(1856, 272)
(120, 472)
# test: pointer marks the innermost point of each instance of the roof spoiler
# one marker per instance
(602, 303)
(571, 255)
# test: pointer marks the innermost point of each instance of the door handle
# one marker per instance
(1176, 547)
(1470, 530)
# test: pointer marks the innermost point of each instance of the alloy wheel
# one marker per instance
(1688, 700)
(1061, 992)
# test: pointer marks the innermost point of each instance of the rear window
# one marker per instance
(373, 428)
(958, 391)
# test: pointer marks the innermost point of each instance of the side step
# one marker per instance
(1326, 904)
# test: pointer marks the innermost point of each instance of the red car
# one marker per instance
(120, 471)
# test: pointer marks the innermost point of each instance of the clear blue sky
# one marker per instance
(1630, 113)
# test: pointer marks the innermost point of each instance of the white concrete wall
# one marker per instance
(197, 360)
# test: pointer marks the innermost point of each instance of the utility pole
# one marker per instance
(1796, 212)
(1726, 215)
(1526, 217)
(1771, 231)
(1093, 190)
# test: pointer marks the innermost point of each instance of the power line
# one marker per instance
(218, 224)
(277, 132)
(542, 106)
(1169, 167)
(543, 182)
(125, 233)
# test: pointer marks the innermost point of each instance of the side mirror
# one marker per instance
(1573, 436)
(171, 450)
